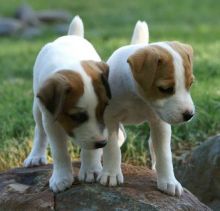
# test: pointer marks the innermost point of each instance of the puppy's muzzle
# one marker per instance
(100, 144)
(187, 115)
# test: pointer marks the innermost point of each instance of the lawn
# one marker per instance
(109, 25)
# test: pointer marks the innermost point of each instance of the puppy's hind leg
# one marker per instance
(37, 155)
(152, 154)
(90, 164)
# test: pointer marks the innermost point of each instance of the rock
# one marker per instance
(35, 197)
(54, 16)
(61, 29)
(31, 32)
(10, 26)
(138, 193)
(17, 187)
(200, 172)
(26, 14)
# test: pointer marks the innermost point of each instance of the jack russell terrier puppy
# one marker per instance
(149, 82)
(70, 95)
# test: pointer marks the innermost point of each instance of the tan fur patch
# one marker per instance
(186, 52)
(152, 67)
(94, 69)
(60, 93)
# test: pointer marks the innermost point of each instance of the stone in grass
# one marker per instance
(200, 172)
(26, 14)
(61, 29)
(139, 192)
(10, 26)
(31, 32)
(54, 16)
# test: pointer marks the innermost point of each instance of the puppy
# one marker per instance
(149, 82)
(70, 95)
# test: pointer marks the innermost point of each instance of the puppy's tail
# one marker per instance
(141, 33)
(76, 27)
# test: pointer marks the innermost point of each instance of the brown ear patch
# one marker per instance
(151, 66)
(103, 67)
(186, 52)
(100, 84)
(60, 93)
(144, 63)
(53, 93)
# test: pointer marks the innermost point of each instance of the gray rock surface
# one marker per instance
(28, 23)
(54, 16)
(31, 32)
(27, 15)
(200, 172)
(61, 29)
(10, 26)
(27, 189)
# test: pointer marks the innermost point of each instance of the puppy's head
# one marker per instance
(163, 75)
(77, 100)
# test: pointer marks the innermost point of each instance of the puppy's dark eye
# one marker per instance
(79, 117)
(169, 90)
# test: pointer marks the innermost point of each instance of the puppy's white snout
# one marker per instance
(187, 115)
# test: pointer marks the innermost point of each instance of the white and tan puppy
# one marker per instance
(70, 94)
(149, 82)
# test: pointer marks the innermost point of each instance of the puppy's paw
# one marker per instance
(59, 182)
(32, 161)
(111, 179)
(170, 186)
(89, 174)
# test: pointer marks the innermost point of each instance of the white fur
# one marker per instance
(65, 53)
(129, 107)
(141, 33)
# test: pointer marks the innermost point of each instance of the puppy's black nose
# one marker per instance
(100, 144)
(187, 115)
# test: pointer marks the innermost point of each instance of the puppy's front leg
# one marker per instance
(161, 137)
(90, 164)
(62, 176)
(111, 174)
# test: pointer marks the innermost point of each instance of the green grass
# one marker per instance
(109, 25)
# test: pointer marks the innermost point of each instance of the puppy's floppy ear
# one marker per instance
(94, 69)
(103, 67)
(186, 48)
(143, 64)
(106, 85)
(189, 51)
(53, 93)
(104, 77)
